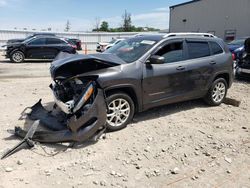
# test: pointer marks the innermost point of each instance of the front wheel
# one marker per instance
(17, 57)
(217, 92)
(120, 111)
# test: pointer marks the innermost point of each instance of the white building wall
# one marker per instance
(212, 16)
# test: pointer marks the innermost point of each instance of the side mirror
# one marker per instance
(155, 59)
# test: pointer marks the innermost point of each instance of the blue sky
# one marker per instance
(42, 14)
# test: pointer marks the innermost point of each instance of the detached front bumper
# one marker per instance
(65, 128)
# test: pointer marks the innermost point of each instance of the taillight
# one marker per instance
(73, 46)
(233, 56)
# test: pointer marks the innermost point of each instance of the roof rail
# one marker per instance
(190, 34)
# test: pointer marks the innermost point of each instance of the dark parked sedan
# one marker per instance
(38, 47)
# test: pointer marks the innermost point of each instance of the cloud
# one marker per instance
(3, 3)
(162, 9)
(154, 19)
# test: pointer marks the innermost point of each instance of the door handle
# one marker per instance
(180, 68)
(212, 63)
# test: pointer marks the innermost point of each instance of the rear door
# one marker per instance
(53, 47)
(168, 82)
(201, 65)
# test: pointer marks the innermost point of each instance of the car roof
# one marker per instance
(49, 36)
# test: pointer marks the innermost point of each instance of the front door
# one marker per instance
(35, 49)
(168, 82)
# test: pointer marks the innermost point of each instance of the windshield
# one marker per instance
(28, 39)
(132, 49)
(238, 42)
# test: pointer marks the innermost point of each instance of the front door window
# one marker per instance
(172, 52)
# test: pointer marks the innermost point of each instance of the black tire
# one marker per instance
(210, 99)
(115, 97)
(17, 57)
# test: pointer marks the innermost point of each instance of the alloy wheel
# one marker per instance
(219, 92)
(17, 57)
(118, 112)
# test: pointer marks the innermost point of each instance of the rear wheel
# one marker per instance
(120, 111)
(17, 57)
(217, 92)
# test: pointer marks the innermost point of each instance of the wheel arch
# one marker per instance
(129, 90)
(224, 75)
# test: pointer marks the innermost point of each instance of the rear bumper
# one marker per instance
(63, 128)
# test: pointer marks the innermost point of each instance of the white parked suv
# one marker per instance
(102, 46)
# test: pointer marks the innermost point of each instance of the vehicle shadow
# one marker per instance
(6, 61)
(168, 110)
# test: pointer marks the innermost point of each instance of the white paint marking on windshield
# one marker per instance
(149, 42)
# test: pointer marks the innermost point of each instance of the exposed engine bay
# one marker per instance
(71, 95)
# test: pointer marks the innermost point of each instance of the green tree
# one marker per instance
(104, 26)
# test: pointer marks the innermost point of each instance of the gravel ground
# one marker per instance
(182, 145)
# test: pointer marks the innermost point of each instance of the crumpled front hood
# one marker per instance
(68, 65)
(11, 45)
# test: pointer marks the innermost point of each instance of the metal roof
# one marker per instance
(181, 4)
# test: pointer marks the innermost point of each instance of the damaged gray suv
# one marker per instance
(147, 71)
(99, 91)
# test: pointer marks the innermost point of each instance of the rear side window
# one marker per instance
(54, 41)
(215, 47)
(198, 49)
(40, 41)
(172, 52)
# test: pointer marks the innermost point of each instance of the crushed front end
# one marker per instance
(79, 111)
(78, 114)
